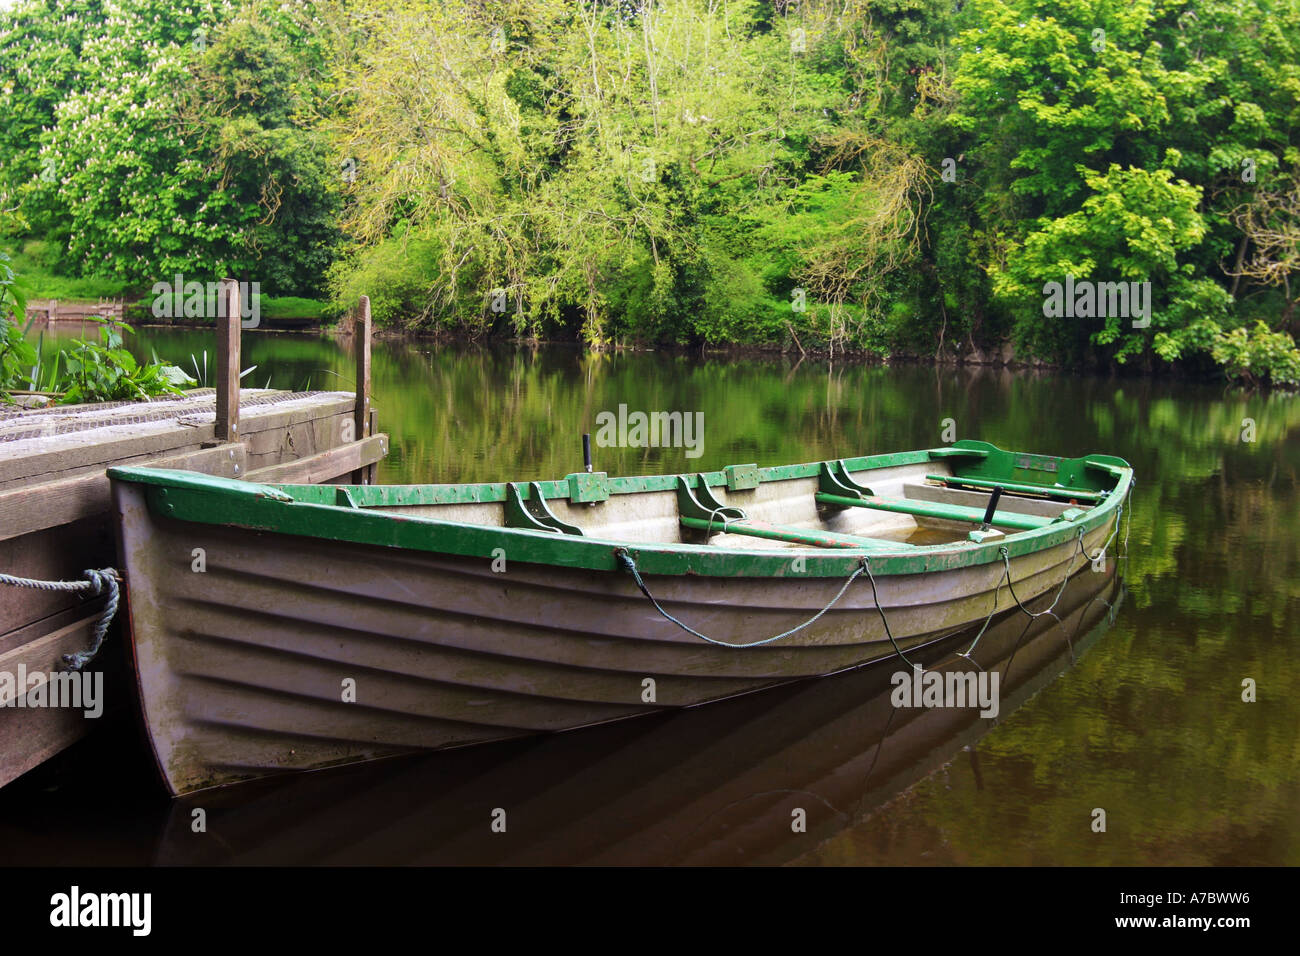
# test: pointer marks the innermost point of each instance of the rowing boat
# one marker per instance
(293, 627)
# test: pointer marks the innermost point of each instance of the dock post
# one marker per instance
(361, 414)
(372, 470)
(228, 320)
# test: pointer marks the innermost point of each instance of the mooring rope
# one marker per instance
(1127, 499)
(96, 582)
(866, 563)
(1006, 560)
(1119, 517)
(967, 653)
(864, 567)
(627, 561)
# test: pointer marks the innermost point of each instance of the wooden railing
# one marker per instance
(42, 312)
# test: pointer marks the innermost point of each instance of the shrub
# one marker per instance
(1255, 355)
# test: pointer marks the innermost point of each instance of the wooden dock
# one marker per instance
(54, 506)
(45, 313)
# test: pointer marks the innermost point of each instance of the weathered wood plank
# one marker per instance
(326, 465)
(36, 507)
(30, 736)
(303, 437)
(53, 554)
(46, 625)
(361, 419)
(979, 499)
(46, 653)
(49, 459)
(97, 448)
(227, 424)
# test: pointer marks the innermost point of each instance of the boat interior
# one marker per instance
(937, 497)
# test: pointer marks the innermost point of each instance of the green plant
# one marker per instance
(105, 372)
(13, 302)
(201, 376)
(290, 307)
(16, 357)
(1253, 355)
(16, 354)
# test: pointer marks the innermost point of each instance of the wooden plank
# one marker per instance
(293, 438)
(1013, 487)
(372, 472)
(46, 625)
(52, 554)
(85, 471)
(361, 418)
(30, 736)
(300, 441)
(362, 415)
(326, 465)
(302, 438)
(227, 424)
(45, 654)
(91, 448)
(980, 499)
(36, 507)
(62, 456)
(308, 409)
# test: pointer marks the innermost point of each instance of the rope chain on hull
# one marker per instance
(863, 568)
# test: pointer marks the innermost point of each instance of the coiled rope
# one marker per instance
(96, 583)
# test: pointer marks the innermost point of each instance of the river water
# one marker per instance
(1133, 704)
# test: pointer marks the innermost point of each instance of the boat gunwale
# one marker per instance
(205, 499)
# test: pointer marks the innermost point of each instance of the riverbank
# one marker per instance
(275, 317)
(1003, 356)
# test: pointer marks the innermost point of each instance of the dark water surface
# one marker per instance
(1131, 704)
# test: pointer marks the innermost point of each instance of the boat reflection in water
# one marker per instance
(718, 784)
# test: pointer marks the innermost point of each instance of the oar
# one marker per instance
(929, 509)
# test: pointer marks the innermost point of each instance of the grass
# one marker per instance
(271, 307)
(36, 264)
(291, 307)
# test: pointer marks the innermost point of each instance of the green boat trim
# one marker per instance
(315, 511)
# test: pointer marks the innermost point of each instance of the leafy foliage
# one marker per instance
(104, 371)
(100, 371)
(1258, 353)
(16, 353)
(887, 175)
(150, 140)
